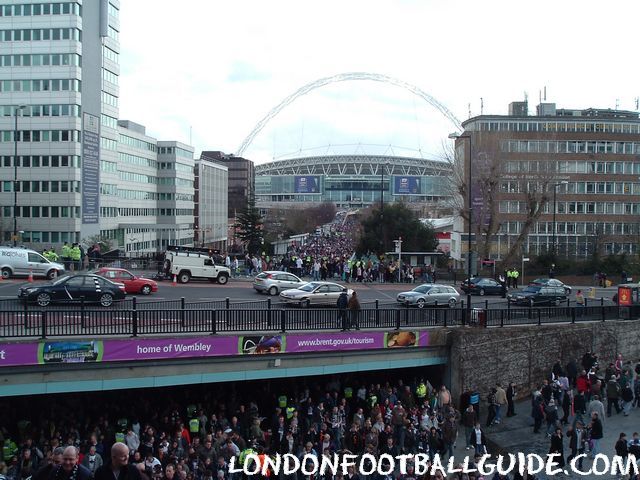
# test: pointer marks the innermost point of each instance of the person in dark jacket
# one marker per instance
(70, 468)
(622, 448)
(596, 434)
(119, 467)
(477, 440)
(557, 446)
(354, 311)
(511, 394)
(342, 304)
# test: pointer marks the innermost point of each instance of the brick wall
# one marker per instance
(480, 357)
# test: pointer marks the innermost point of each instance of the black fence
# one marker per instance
(212, 318)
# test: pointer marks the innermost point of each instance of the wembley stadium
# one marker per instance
(351, 181)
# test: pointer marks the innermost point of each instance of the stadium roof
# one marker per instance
(354, 165)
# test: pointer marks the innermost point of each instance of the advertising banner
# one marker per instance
(624, 296)
(406, 185)
(14, 354)
(307, 184)
(90, 169)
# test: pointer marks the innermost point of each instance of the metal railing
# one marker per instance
(220, 317)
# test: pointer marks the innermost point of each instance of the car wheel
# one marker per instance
(6, 273)
(420, 303)
(222, 279)
(43, 299)
(305, 304)
(273, 291)
(482, 292)
(52, 274)
(452, 303)
(106, 299)
(184, 278)
(146, 290)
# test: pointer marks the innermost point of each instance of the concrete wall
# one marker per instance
(480, 357)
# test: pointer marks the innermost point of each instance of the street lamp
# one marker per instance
(455, 136)
(15, 174)
(555, 190)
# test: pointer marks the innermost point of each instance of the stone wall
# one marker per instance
(480, 357)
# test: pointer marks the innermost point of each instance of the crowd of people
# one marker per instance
(193, 433)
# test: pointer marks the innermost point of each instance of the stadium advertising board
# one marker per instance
(132, 350)
(307, 184)
(406, 185)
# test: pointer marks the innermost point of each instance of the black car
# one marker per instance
(482, 286)
(71, 289)
(539, 295)
(551, 282)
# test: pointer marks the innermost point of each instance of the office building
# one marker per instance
(211, 209)
(241, 179)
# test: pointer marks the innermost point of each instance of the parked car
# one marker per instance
(72, 289)
(482, 286)
(538, 295)
(551, 282)
(429, 294)
(132, 283)
(274, 282)
(193, 263)
(24, 261)
(314, 293)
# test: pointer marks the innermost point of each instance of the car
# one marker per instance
(132, 283)
(274, 282)
(538, 295)
(482, 286)
(26, 262)
(314, 293)
(551, 282)
(73, 289)
(429, 294)
(194, 263)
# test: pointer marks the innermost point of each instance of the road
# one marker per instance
(241, 290)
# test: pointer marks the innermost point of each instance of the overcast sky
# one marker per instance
(209, 70)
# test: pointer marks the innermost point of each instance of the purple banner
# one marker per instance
(14, 354)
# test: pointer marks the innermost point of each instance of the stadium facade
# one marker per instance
(351, 181)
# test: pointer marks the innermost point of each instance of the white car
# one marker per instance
(274, 282)
(429, 294)
(314, 293)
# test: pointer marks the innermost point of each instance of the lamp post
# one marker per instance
(555, 190)
(15, 174)
(455, 136)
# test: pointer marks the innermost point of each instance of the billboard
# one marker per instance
(406, 186)
(138, 349)
(90, 169)
(307, 184)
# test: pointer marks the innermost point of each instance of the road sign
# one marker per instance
(525, 259)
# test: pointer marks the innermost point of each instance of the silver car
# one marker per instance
(429, 294)
(314, 293)
(274, 282)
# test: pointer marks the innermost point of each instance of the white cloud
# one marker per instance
(219, 67)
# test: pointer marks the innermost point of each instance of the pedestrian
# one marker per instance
(596, 434)
(342, 304)
(511, 395)
(613, 394)
(492, 404)
(621, 447)
(477, 440)
(579, 303)
(537, 410)
(557, 446)
(514, 277)
(469, 420)
(577, 442)
(552, 271)
(551, 416)
(354, 311)
(501, 400)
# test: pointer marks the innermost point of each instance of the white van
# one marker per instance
(188, 265)
(22, 261)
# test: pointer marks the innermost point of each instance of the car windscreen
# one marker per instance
(308, 287)
(61, 280)
(531, 290)
(421, 289)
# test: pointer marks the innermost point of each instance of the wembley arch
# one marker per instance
(345, 77)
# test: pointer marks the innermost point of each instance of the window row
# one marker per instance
(115, 212)
(179, 167)
(536, 166)
(113, 34)
(44, 186)
(136, 160)
(561, 126)
(109, 167)
(30, 9)
(41, 135)
(613, 188)
(181, 152)
(48, 212)
(113, 10)
(178, 182)
(136, 143)
(109, 76)
(31, 161)
(570, 146)
(41, 59)
(109, 99)
(108, 121)
(58, 110)
(37, 34)
(108, 144)
(56, 85)
(574, 228)
(110, 54)
(137, 177)
(610, 208)
(46, 237)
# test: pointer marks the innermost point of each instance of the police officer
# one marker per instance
(66, 256)
(76, 254)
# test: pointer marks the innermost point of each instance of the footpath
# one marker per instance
(515, 434)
